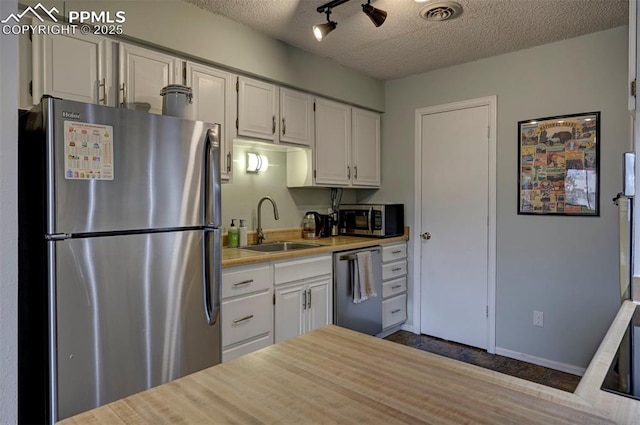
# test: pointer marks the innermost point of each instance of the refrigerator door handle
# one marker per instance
(212, 275)
(212, 200)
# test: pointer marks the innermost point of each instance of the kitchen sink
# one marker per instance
(280, 246)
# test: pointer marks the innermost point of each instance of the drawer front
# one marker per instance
(394, 270)
(292, 271)
(247, 347)
(394, 311)
(242, 280)
(394, 287)
(394, 252)
(246, 317)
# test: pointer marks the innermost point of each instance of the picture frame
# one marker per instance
(558, 165)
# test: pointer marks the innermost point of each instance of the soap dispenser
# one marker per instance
(242, 234)
(232, 235)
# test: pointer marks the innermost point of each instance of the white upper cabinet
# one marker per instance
(365, 148)
(25, 71)
(257, 109)
(333, 143)
(214, 99)
(296, 117)
(633, 54)
(346, 152)
(143, 73)
(72, 67)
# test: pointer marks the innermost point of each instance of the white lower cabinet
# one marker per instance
(246, 310)
(303, 296)
(394, 284)
(394, 311)
(271, 302)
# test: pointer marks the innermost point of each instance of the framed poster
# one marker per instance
(558, 161)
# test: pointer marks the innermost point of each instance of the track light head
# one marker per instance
(320, 31)
(377, 16)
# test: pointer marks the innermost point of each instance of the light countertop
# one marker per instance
(237, 257)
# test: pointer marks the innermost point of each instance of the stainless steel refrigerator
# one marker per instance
(119, 254)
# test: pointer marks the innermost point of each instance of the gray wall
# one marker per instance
(564, 266)
(8, 223)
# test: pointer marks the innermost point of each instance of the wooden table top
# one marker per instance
(334, 375)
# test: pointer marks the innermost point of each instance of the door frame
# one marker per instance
(491, 102)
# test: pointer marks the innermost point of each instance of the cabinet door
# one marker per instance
(143, 73)
(25, 70)
(296, 117)
(71, 67)
(333, 143)
(320, 312)
(214, 101)
(289, 311)
(257, 109)
(365, 148)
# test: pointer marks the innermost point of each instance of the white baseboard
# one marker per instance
(403, 327)
(563, 367)
(408, 328)
(388, 332)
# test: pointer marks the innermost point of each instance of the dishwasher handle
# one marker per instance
(352, 256)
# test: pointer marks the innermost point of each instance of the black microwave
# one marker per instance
(377, 220)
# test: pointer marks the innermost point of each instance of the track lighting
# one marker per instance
(320, 31)
(377, 16)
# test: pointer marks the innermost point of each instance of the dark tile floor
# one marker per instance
(531, 372)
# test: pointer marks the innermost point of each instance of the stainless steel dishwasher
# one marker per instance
(365, 317)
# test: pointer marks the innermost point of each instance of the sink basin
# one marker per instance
(280, 246)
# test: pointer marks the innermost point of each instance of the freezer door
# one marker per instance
(131, 314)
(117, 169)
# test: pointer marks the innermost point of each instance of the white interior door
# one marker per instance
(455, 203)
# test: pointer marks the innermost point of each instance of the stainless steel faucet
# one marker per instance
(261, 236)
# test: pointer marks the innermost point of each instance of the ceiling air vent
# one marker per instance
(441, 11)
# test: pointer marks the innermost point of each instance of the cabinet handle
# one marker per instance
(123, 89)
(243, 282)
(304, 300)
(396, 269)
(395, 311)
(348, 172)
(396, 252)
(229, 162)
(396, 286)
(355, 172)
(103, 83)
(273, 125)
(284, 127)
(309, 306)
(243, 319)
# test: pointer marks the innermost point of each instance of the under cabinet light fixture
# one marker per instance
(320, 31)
(256, 162)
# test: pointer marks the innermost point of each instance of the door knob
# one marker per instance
(426, 235)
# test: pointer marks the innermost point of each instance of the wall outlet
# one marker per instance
(538, 318)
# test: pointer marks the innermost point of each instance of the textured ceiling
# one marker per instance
(407, 44)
